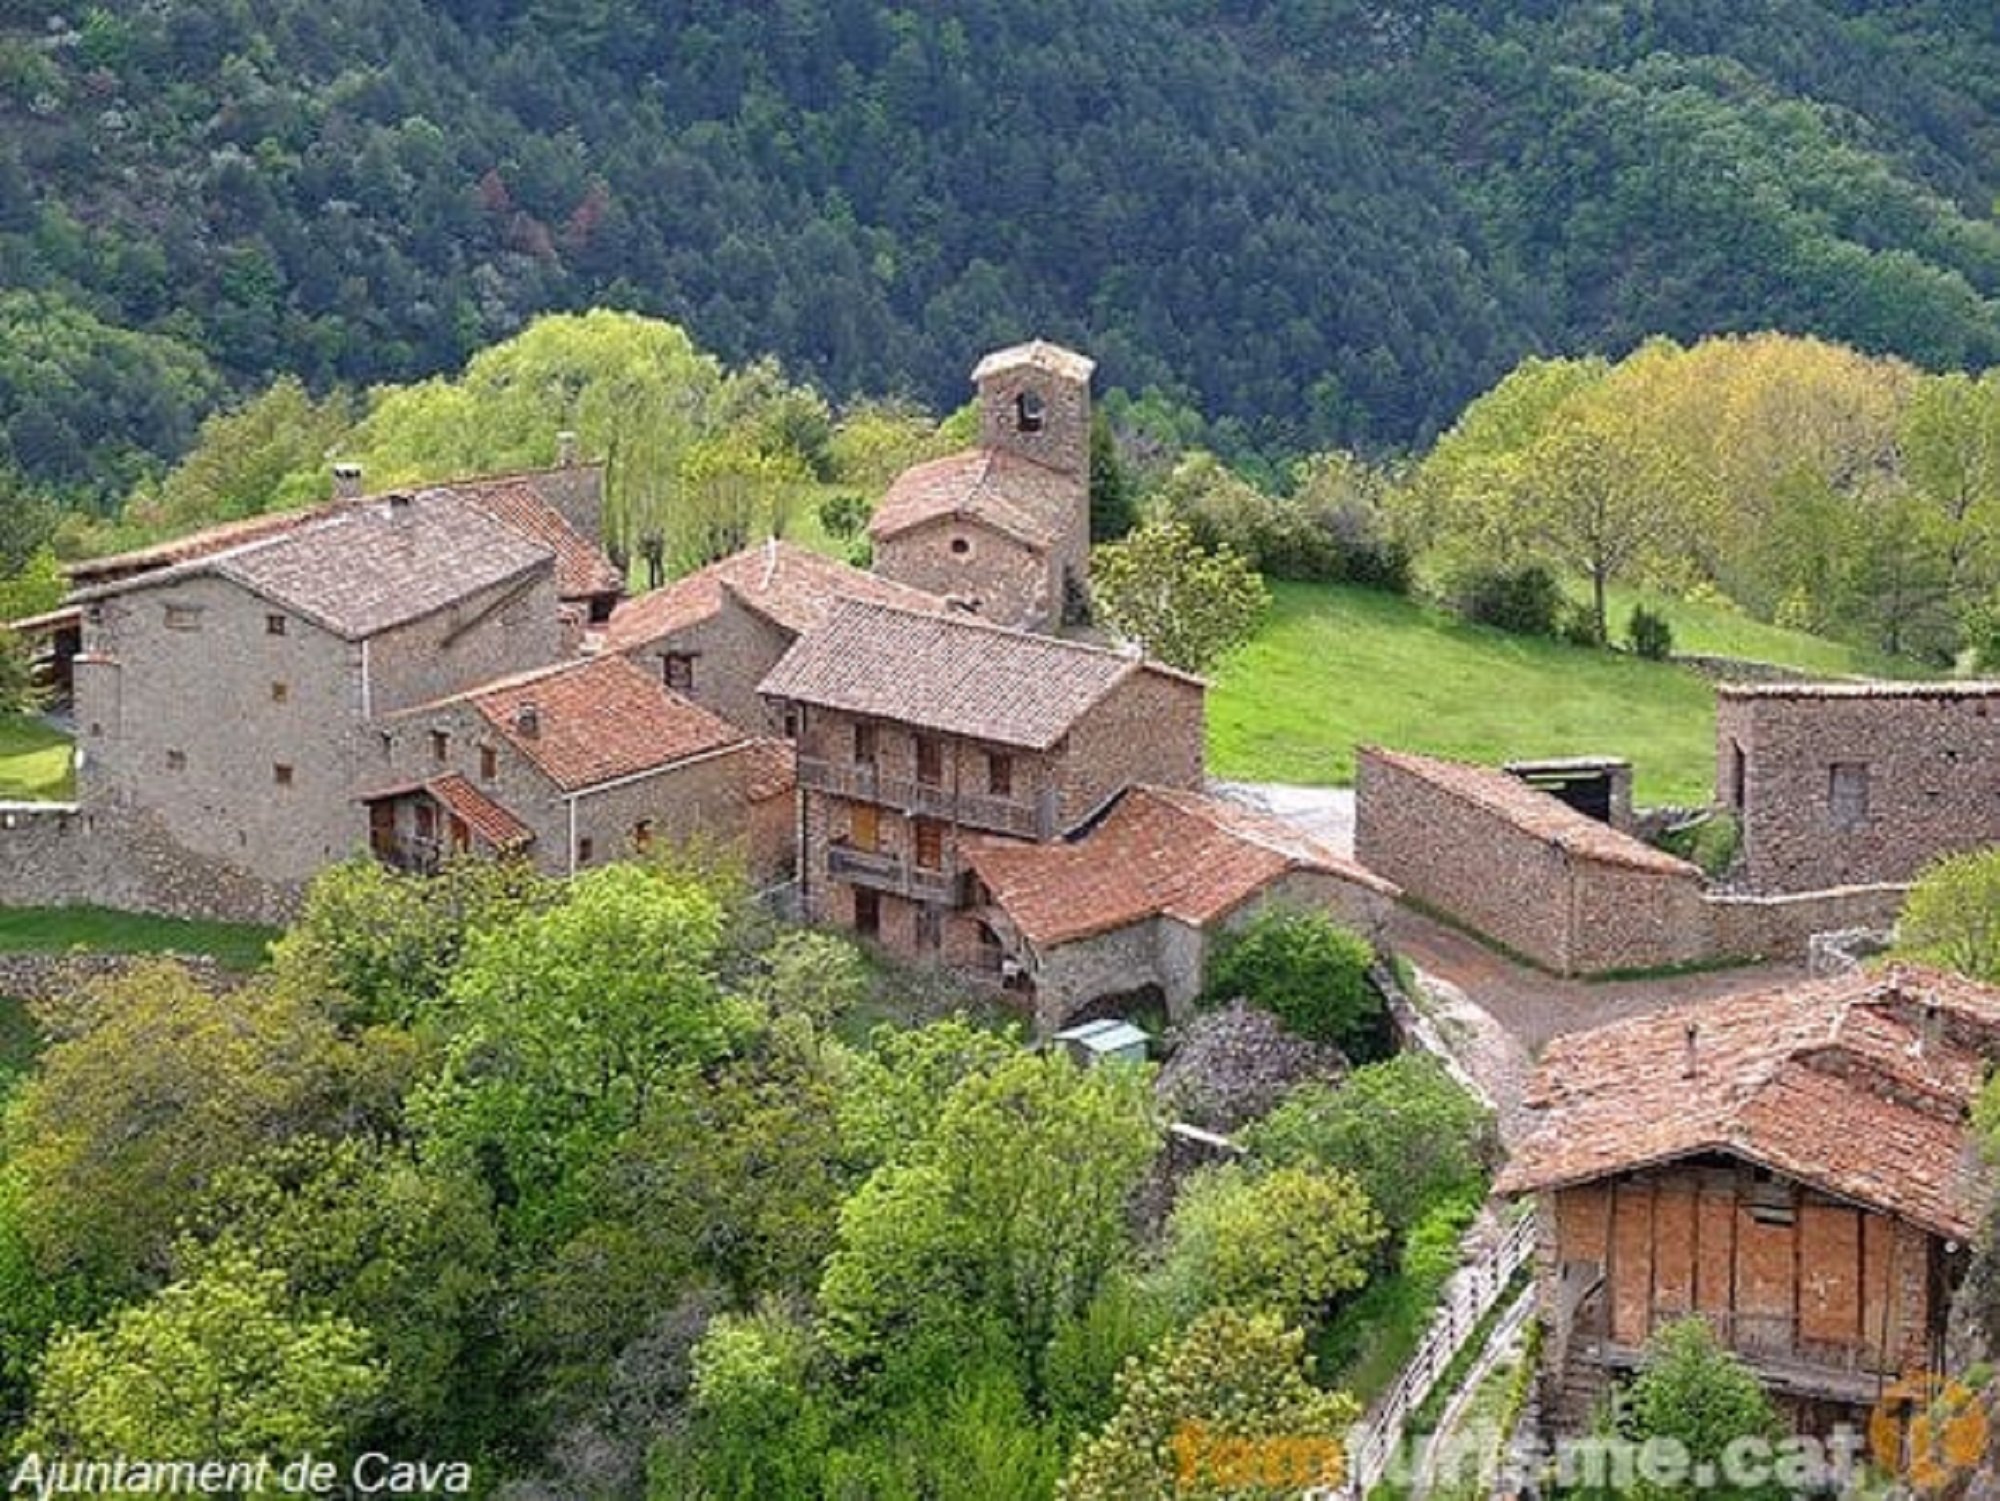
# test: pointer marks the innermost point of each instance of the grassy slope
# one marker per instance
(20, 1039)
(58, 929)
(34, 760)
(1338, 666)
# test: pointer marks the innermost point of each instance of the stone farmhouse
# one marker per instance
(1843, 784)
(572, 765)
(916, 730)
(714, 634)
(1127, 908)
(318, 630)
(1566, 890)
(1797, 1166)
(1002, 529)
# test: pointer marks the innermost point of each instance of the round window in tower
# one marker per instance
(960, 546)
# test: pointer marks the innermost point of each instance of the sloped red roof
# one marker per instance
(88, 572)
(1860, 1086)
(1533, 811)
(1030, 502)
(787, 585)
(487, 819)
(582, 569)
(586, 723)
(1158, 852)
(951, 673)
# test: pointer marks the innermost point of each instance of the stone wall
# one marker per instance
(1570, 913)
(1007, 581)
(40, 977)
(1149, 730)
(1857, 787)
(732, 650)
(58, 855)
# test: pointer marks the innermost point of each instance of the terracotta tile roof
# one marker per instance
(582, 569)
(1042, 355)
(487, 819)
(1533, 812)
(1964, 688)
(950, 673)
(51, 620)
(586, 723)
(1860, 1086)
(370, 567)
(89, 572)
(773, 768)
(787, 585)
(1157, 852)
(1027, 501)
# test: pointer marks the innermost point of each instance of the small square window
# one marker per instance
(930, 760)
(791, 724)
(642, 835)
(274, 625)
(489, 763)
(183, 617)
(864, 745)
(281, 693)
(440, 746)
(1847, 794)
(1030, 415)
(584, 850)
(999, 774)
(678, 670)
(281, 774)
(929, 841)
(177, 760)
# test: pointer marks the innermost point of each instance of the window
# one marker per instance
(678, 669)
(440, 746)
(584, 850)
(281, 774)
(489, 763)
(1030, 416)
(867, 912)
(274, 625)
(642, 835)
(1847, 794)
(183, 617)
(864, 745)
(864, 828)
(791, 724)
(930, 844)
(961, 546)
(999, 774)
(930, 761)
(281, 693)
(426, 821)
(177, 760)
(930, 929)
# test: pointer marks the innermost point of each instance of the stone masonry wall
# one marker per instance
(1011, 583)
(1919, 768)
(55, 855)
(1148, 730)
(733, 651)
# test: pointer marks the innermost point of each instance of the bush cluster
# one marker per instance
(1311, 974)
(1650, 634)
(1527, 601)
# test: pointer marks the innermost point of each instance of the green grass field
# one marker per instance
(99, 930)
(1337, 666)
(1719, 630)
(34, 761)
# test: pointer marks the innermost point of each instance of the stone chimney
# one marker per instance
(566, 449)
(346, 481)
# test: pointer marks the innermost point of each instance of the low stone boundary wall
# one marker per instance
(40, 977)
(1782, 927)
(64, 854)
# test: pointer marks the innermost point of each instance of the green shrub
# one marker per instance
(1710, 842)
(1650, 634)
(1311, 974)
(1526, 601)
(1577, 625)
(1405, 1128)
(843, 516)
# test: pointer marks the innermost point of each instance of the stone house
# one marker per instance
(227, 698)
(915, 730)
(1797, 1166)
(1130, 904)
(1841, 784)
(1003, 528)
(1562, 889)
(714, 634)
(574, 764)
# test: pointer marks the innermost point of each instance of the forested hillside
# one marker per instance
(1317, 222)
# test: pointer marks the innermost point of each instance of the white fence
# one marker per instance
(1471, 1295)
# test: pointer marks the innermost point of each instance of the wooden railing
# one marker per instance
(865, 783)
(881, 872)
(1471, 1295)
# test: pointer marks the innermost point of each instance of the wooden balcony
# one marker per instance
(880, 872)
(863, 783)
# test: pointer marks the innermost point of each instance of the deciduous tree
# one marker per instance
(1190, 608)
